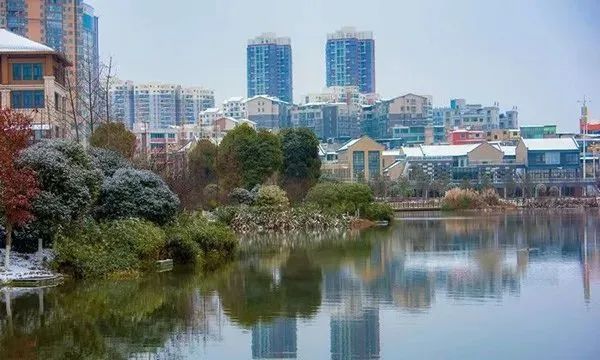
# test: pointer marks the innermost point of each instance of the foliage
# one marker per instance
(200, 170)
(211, 196)
(340, 197)
(247, 158)
(378, 212)
(272, 195)
(107, 161)
(100, 249)
(301, 162)
(226, 214)
(133, 193)
(241, 196)
(456, 199)
(380, 185)
(401, 188)
(277, 219)
(114, 136)
(193, 235)
(422, 180)
(18, 185)
(68, 181)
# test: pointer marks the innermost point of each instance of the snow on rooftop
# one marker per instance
(348, 144)
(448, 150)
(551, 144)
(234, 99)
(391, 153)
(13, 43)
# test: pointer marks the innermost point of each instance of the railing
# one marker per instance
(415, 204)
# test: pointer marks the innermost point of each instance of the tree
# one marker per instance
(114, 136)
(301, 163)
(202, 162)
(247, 158)
(107, 161)
(131, 193)
(421, 180)
(18, 184)
(401, 188)
(69, 185)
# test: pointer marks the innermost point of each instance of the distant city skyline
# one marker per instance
(539, 56)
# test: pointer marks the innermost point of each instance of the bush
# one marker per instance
(69, 183)
(340, 197)
(207, 237)
(490, 197)
(133, 193)
(107, 161)
(456, 199)
(241, 196)
(378, 212)
(182, 249)
(100, 249)
(226, 214)
(272, 195)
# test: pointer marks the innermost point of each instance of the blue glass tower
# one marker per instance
(350, 59)
(269, 67)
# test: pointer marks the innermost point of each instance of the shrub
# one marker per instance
(226, 214)
(69, 184)
(456, 199)
(182, 249)
(378, 212)
(107, 161)
(100, 249)
(490, 197)
(211, 196)
(272, 195)
(340, 197)
(133, 193)
(241, 196)
(207, 237)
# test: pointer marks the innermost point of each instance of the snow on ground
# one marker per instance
(24, 266)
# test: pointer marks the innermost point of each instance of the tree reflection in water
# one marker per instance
(348, 277)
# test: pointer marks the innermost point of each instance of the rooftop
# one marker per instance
(13, 43)
(551, 144)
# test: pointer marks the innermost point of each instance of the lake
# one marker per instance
(431, 286)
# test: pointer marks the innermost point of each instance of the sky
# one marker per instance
(541, 56)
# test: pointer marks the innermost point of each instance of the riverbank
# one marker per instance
(27, 266)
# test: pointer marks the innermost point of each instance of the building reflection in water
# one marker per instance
(275, 339)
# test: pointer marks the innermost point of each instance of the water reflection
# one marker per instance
(335, 296)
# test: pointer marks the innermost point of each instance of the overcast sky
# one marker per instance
(541, 56)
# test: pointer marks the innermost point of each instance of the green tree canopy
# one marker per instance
(69, 182)
(133, 193)
(114, 136)
(301, 163)
(247, 158)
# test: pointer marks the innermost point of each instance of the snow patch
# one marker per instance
(23, 266)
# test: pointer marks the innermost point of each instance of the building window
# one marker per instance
(27, 71)
(358, 164)
(157, 136)
(27, 99)
(374, 164)
(552, 158)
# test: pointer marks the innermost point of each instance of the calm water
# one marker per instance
(495, 287)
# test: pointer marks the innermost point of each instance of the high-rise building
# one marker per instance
(194, 100)
(67, 26)
(350, 59)
(158, 105)
(122, 103)
(269, 67)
